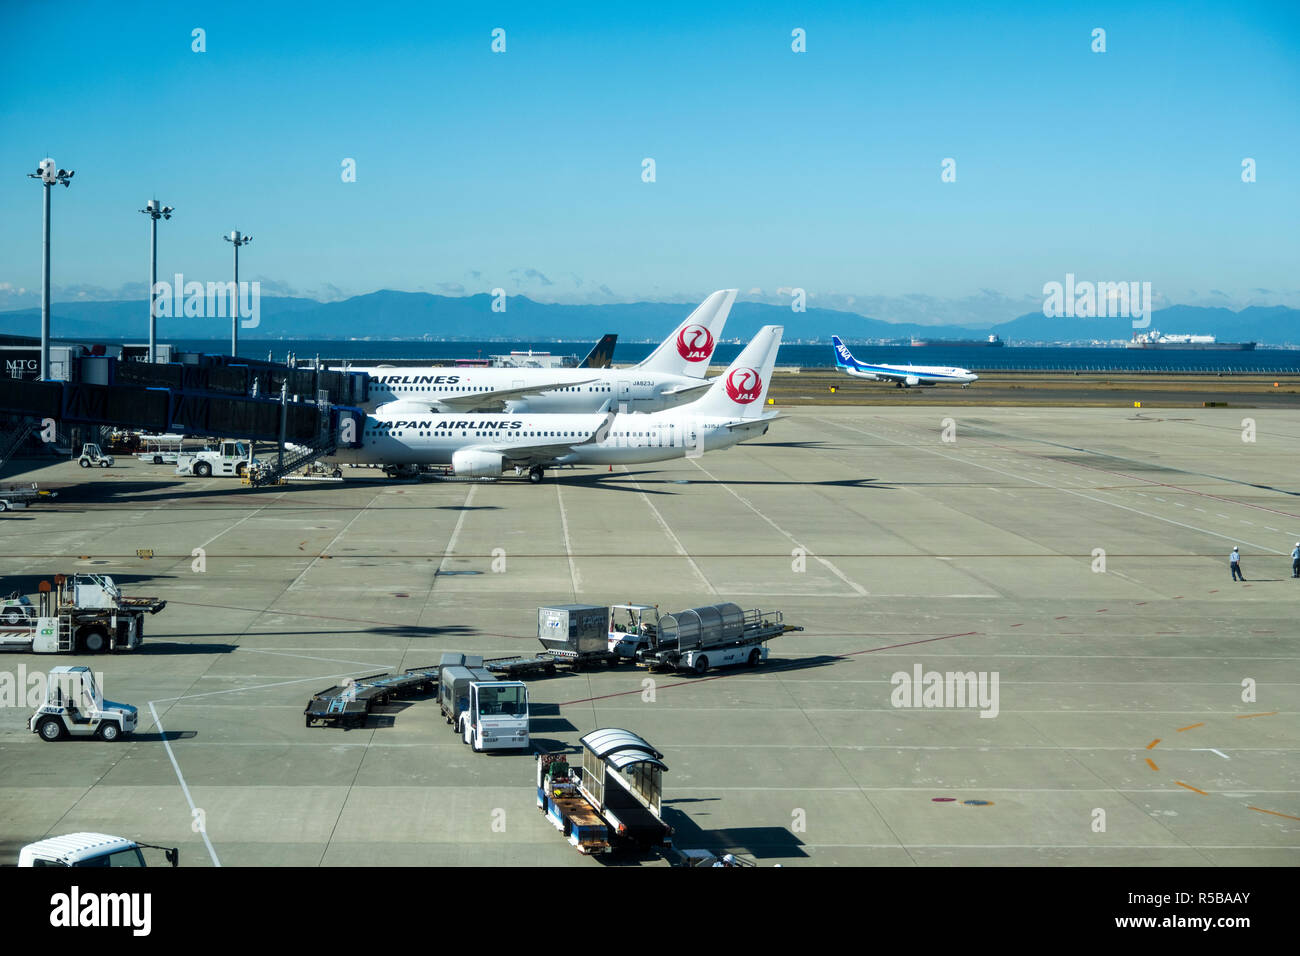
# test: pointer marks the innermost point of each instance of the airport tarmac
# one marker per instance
(1146, 707)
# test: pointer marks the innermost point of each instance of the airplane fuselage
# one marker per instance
(434, 438)
(579, 389)
(922, 374)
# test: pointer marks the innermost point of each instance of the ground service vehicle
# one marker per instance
(350, 703)
(632, 628)
(612, 800)
(91, 455)
(90, 850)
(74, 706)
(79, 612)
(577, 634)
(15, 497)
(716, 635)
(160, 449)
(488, 713)
(497, 716)
(231, 459)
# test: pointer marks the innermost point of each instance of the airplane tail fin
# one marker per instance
(688, 350)
(741, 390)
(843, 357)
(601, 353)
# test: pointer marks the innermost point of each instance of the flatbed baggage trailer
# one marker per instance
(514, 667)
(350, 703)
(20, 496)
(717, 635)
(613, 800)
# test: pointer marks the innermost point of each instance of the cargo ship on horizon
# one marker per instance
(991, 342)
(1190, 343)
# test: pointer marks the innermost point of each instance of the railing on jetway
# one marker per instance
(164, 409)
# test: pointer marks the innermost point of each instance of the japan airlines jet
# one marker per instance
(673, 374)
(904, 376)
(485, 446)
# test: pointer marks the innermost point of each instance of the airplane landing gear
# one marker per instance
(535, 474)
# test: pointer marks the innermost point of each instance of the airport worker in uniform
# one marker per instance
(1295, 561)
(1234, 562)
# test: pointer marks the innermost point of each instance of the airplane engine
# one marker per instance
(912, 380)
(472, 463)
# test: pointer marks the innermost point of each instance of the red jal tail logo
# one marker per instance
(695, 343)
(743, 385)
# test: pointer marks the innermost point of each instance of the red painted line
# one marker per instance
(1274, 812)
(1191, 727)
(1153, 743)
(1152, 764)
(1102, 610)
(1018, 625)
(1062, 617)
(1139, 603)
(1271, 713)
(791, 666)
(1190, 787)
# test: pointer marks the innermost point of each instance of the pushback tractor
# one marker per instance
(74, 706)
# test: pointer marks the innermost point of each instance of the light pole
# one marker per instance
(236, 239)
(49, 174)
(153, 209)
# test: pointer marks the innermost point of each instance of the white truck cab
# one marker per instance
(89, 850)
(497, 716)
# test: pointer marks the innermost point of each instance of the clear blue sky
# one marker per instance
(774, 169)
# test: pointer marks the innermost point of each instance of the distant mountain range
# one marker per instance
(412, 315)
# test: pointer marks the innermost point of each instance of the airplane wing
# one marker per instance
(888, 375)
(546, 454)
(484, 401)
(688, 389)
(745, 423)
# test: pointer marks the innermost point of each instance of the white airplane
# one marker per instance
(904, 376)
(672, 374)
(477, 445)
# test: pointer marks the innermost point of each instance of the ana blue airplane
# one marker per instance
(903, 376)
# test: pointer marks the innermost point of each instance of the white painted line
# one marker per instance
(455, 532)
(305, 657)
(184, 787)
(671, 536)
(1213, 751)
(858, 589)
(1077, 494)
(574, 577)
